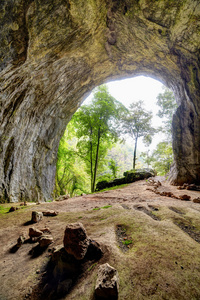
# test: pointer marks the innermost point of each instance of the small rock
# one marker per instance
(75, 240)
(62, 198)
(21, 239)
(50, 213)
(36, 216)
(45, 240)
(107, 284)
(12, 209)
(33, 232)
(185, 197)
(196, 200)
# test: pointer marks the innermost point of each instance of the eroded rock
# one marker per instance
(44, 78)
(107, 284)
(21, 239)
(76, 241)
(33, 232)
(36, 216)
(45, 240)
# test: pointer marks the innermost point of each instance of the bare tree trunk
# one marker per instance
(96, 161)
(134, 155)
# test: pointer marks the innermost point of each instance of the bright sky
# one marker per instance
(131, 90)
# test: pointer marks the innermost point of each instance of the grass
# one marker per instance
(112, 188)
(127, 242)
(4, 209)
(91, 267)
(98, 208)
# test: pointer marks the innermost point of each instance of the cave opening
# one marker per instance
(157, 154)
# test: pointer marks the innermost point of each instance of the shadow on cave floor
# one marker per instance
(62, 272)
(147, 211)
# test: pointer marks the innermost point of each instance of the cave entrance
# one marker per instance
(54, 53)
(72, 176)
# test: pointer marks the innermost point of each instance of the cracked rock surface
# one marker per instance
(53, 53)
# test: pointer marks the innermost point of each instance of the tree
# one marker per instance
(168, 105)
(70, 177)
(113, 167)
(96, 130)
(162, 156)
(137, 123)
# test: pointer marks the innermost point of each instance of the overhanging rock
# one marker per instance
(54, 52)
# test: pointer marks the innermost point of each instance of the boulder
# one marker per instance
(129, 176)
(107, 284)
(75, 240)
(36, 216)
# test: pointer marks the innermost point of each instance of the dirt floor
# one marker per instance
(152, 240)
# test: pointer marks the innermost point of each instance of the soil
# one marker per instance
(165, 235)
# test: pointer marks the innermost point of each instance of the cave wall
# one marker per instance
(53, 53)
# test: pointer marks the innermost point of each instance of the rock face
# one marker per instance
(107, 284)
(75, 240)
(54, 52)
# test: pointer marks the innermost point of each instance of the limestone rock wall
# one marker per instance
(53, 53)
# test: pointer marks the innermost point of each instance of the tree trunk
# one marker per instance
(134, 155)
(96, 161)
(91, 161)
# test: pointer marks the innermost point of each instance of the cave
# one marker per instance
(53, 53)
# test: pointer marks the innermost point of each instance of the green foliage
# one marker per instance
(113, 167)
(96, 130)
(168, 105)
(70, 176)
(137, 123)
(162, 158)
(127, 242)
(4, 209)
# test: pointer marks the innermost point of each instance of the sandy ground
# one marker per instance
(21, 271)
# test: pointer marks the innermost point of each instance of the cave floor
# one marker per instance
(162, 260)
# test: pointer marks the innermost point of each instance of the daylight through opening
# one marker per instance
(122, 126)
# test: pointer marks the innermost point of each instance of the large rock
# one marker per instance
(107, 284)
(76, 241)
(129, 176)
(54, 52)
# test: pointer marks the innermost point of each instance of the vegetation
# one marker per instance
(137, 123)
(96, 130)
(90, 150)
(162, 157)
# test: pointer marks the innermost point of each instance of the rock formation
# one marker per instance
(53, 53)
